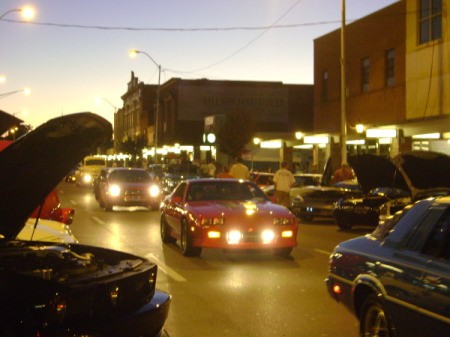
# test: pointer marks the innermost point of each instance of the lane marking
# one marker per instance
(99, 221)
(322, 252)
(166, 269)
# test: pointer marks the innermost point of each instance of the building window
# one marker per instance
(365, 74)
(324, 92)
(430, 20)
(390, 68)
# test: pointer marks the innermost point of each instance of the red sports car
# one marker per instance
(226, 214)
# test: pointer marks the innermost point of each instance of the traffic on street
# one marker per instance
(226, 293)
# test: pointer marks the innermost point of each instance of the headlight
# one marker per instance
(267, 236)
(87, 178)
(282, 221)
(114, 190)
(234, 237)
(154, 191)
(212, 221)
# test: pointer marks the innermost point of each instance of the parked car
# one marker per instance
(319, 201)
(57, 289)
(392, 183)
(226, 214)
(262, 179)
(371, 208)
(51, 209)
(127, 186)
(46, 230)
(396, 280)
(176, 173)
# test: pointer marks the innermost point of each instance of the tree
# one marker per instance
(133, 147)
(235, 133)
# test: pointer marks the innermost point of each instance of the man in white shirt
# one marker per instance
(283, 181)
(239, 170)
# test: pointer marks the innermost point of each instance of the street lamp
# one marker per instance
(132, 54)
(343, 90)
(98, 100)
(26, 92)
(26, 12)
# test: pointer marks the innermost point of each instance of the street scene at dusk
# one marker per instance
(257, 169)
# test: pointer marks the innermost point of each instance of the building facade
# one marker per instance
(274, 107)
(397, 81)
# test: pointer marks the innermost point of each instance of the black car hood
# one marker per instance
(35, 163)
(414, 171)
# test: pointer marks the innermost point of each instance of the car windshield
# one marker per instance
(130, 176)
(92, 162)
(224, 190)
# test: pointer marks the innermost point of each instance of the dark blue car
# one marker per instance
(397, 279)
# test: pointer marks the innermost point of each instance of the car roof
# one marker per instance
(34, 164)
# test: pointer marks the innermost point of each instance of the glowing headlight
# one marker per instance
(282, 221)
(267, 236)
(212, 221)
(114, 190)
(87, 178)
(154, 191)
(234, 237)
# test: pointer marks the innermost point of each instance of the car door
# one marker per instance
(174, 207)
(433, 295)
(423, 283)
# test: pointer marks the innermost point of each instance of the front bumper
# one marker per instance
(146, 321)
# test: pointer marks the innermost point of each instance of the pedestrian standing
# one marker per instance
(283, 181)
(239, 170)
(345, 172)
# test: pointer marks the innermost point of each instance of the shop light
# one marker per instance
(356, 142)
(385, 141)
(435, 135)
(381, 133)
(315, 140)
(271, 144)
(298, 135)
(303, 146)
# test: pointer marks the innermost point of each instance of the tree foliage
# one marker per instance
(133, 147)
(235, 133)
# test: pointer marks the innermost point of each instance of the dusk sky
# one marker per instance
(76, 50)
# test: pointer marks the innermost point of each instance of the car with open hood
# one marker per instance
(390, 184)
(59, 289)
(228, 214)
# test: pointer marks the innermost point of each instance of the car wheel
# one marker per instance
(165, 232)
(344, 225)
(374, 320)
(283, 251)
(306, 217)
(108, 206)
(187, 247)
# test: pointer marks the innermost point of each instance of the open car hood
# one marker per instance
(414, 171)
(35, 163)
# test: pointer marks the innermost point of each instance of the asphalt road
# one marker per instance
(224, 294)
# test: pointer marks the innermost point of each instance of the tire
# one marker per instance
(285, 252)
(108, 206)
(343, 224)
(187, 247)
(306, 217)
(165, 231)
(373, 319)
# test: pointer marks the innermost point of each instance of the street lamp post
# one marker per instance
(26, 91)
(27, 12)
(343, 90)
(132, 54)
